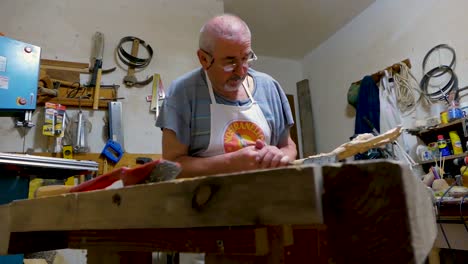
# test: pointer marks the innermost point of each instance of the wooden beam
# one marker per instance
(221, 240)
(67, 64)
(4, 228)
(270, 197)
(232, 240)
(382, 208)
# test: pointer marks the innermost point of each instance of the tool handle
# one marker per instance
(94, 75)
(97, 90)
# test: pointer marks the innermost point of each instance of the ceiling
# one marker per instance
(292, 28)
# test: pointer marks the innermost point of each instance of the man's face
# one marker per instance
(228, 53)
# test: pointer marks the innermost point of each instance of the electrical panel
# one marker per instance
(19, 74)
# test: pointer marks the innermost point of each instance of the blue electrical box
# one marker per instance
(19, 74)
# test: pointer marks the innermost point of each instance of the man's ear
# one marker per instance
(203, 59)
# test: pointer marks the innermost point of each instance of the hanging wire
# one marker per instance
(406, 86)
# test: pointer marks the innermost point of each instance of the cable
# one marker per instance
(440, 46)
(451, 85)
(442, 93)
(405, 86)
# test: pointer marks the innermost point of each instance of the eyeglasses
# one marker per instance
(230, 67)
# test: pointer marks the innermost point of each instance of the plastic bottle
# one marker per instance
(454, 111)
(464, 172)
(456, 143)
(443, 147)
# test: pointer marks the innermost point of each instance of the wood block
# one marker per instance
(34, 261)
(270, 197)
(4, 228)
(382, 209)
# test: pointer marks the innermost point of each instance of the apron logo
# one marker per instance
(240, 134)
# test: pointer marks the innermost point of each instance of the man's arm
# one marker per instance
(289, 148)
(174, 150)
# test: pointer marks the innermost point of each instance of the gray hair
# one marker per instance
(224, 26)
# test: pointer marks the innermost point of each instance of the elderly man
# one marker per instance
(225, 116)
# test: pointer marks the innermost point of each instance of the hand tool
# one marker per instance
(360, 144)
(96, 65)
(132, 61)
(158, 94)
(154, 171)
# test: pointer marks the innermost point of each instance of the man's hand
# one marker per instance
(245, 158)
(270, 156)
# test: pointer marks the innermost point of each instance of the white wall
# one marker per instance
(64, 29)
(287, 72)
(385, 33)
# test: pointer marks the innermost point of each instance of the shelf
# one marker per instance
(451, 157)
(441, 126)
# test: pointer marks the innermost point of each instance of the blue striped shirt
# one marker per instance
(186, 109)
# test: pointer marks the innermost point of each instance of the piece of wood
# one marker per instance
(252, 241)
(63, 75)
(97, 90)
(233, 240)
(51, 190)
(293, 129)
(276, 241)
(34, 261)
(50, 67)
(374, 211)
(360, 144)
(384, 210)
(68, 64)
(4, 228)
(281, 196)
(306, 117)
(75, 102)
(134, 53)
(395, 68)
(434, 257)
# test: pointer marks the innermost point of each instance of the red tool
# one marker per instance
(154, 171)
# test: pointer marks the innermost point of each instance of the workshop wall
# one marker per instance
(64, 30)
(387, 32)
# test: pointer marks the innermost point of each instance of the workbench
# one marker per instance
(359, 212)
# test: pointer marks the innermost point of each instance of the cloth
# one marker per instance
(390, 115)
(235, 127)
(368, 107)
(186, 109)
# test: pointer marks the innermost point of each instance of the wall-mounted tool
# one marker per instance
(132, 61)
(96, 66)
(115, 123)
(19, 73)
(158, 94)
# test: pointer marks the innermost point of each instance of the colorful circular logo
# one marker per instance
(240, 134)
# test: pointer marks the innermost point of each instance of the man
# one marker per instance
(225, 116)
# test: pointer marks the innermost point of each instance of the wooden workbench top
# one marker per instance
(377, 206)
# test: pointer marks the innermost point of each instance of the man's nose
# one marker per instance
(241, 69)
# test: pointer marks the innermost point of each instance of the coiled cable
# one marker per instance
(406, 86)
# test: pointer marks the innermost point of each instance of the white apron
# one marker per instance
(235, 127)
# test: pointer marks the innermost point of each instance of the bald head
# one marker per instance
(228, 27)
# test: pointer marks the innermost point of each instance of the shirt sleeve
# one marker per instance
(175, 114)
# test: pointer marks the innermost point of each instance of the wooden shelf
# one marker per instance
(451, 157)
(441, 126)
